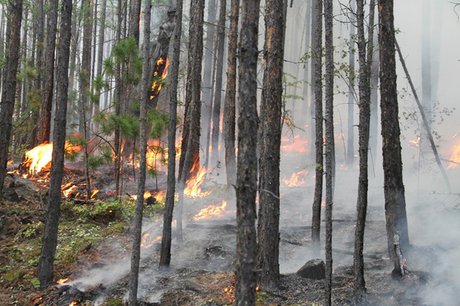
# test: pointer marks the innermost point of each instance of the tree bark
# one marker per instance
(395, 202)
(44, 124)
(137, 223)
(329, 130)
(247, 158)
(9, 83)
(365, 62)
(217, 101)
(230, 97)
(351, 90)
(100, 56)
(50, 235)
(316, 65)
(271, 125)
(165, 255)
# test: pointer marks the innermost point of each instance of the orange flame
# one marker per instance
(297, 144)
(160, 72)
(39, 158)
(212, 211)
(193, 188)
(297, 179)
(454, 156)
(62, 281)
(147, 241)
(73, 303)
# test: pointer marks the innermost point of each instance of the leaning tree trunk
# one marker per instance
(50, 234)
(230, 97)
(218, 87)
(316, 65)
(395, 202)
(9, 83)
(165, 255)
(44, 123)
(137, 223)
(364, 124)
(329, 129)
(246, 182)
(271, 124)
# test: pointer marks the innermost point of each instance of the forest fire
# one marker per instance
(160, 72)
(297, 144)
(193, 188)
(39, 158)
(297, 179)
(212, 211)
(455, 156)
(147, 241)
(62, 281)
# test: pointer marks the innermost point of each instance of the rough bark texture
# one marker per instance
(134, 17)
(230, 97)
(216, 110)
(365, 62)
(100, 55)
(316, 65)
(247, 159)
(329, 131)
(373, 134)
(9, 83)
(44, 124)
(165, 255)
(137, 223)
(50, 235)
(271, 108)
(395, 202)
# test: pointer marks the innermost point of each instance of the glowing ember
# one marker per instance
(193, 188)
(39, 158)
(297, 179)
(212, 211)
(455, 156)
(73, 303)
(297, 144)
(62, 281)
(147, 241)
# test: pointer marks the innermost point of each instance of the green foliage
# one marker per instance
(126, 52)
(35, 282)
(127, 123)
(32, 230)
(114, 302)
(158, 122)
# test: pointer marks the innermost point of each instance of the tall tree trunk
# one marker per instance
(246, 182)
(218, 87)
(9, 83)
(136, 252)
(373, 134)
(271, 124)
(190, 155)
(351, 90)
(73, 114)
(134, 17)
(329, 131)
(44, 124)
(365, 62)
(316, 65)
(165, 255)
(206, 107)
(306, 92)
(50, 235)
(230, 97)
(100, 56)
(395, 202)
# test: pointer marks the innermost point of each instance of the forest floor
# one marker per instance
(92, 259)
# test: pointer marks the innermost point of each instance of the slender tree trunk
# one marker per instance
(191, 133)
(73, 114)
(351, 90)
(246, 181)
(329, 131)
(44, 124)
(165, 255)
(136, 252)
(216, 110)
(230, 97)
(364, 123)
(100, 56)
(50, 235)
(373, 135)
(395, 202)
(134, 17)
(306, 92)
(317, 54)
(207, 88)
(271, 124)
(9, 83)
